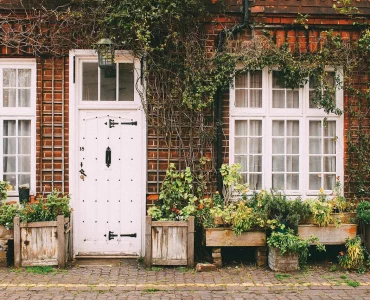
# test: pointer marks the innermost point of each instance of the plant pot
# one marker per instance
(46, 243)
(286, 262)
(224, 237)
(328, 235)
(24, 195)
(169, 243)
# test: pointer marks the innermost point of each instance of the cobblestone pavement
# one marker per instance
(130, 280)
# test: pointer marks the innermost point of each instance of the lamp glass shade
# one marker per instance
(105, 49)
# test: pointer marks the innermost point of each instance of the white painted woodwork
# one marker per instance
(109, 197)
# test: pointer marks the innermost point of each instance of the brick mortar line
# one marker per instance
(150, 285)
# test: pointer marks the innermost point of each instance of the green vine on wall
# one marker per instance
(183, 73)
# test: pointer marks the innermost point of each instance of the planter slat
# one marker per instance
(39, 224)
(328, 235)
(41, 243)
(221, 237)
(169, 243)
(170, 223)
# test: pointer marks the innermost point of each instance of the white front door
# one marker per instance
(108, 212)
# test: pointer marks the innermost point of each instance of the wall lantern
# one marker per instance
(105, 49)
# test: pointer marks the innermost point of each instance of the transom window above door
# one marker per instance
(115, 84)
(281, 138)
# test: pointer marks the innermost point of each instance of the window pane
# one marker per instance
(243, 160)
(255, 163)
(329, 146)
(278, 164)
(24, 128)
(126, 82)
(292, 163)
(24, 98)
(24, 146)
(24, 77)
(329, 164)
(315, 164)
(255, 79)
(9, 164)
(292, 99)
(240, 145)
(255, 145)
(315, 182)
(292, 181)
(9, 128)
(278, 99)
(241, 128)
(329, 182)
(11, 178)
(24, 164)
(278, 146)
(278, 128)
(108, 85)
(255, 181)
(315, 146)
(278, 181)
(255, 98)
(255, 128)
(9, 145)
(315, 128)
(292, 145)
(241, 81)
(9, 97)
(24, 179)
(292, 128)
(90, 81)
(241, 98)
(330, 129)
(9, 77)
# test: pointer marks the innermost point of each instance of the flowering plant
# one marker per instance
(46, 210)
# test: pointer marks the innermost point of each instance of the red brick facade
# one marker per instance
(53, 85)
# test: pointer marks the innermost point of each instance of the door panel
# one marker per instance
(109, 194)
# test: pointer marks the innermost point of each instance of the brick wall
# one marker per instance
(52, 140)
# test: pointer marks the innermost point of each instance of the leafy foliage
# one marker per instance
(363, 212)
(354, 258)
(7, 214)
(46, 210)
(288, 242)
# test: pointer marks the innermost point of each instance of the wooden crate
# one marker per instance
(328, 235)
(169, 242)
(42, 243)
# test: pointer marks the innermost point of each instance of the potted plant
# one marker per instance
(170, 222)
(288, 252)
(42, 232)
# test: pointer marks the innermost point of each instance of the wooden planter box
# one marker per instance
(42, 243)
(328, 235)
(345, 218)
(5, 236)
(169, 243)
(286, 262)
(224, 237)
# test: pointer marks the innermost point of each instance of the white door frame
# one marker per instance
(75, 106)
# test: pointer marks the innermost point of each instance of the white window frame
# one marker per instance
(20, 113)
(304, 114)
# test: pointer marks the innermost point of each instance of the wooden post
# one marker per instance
(61, 243)
(17, 243)
(191, 242)
(148, 241)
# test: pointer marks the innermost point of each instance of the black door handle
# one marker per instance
(108, 157)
